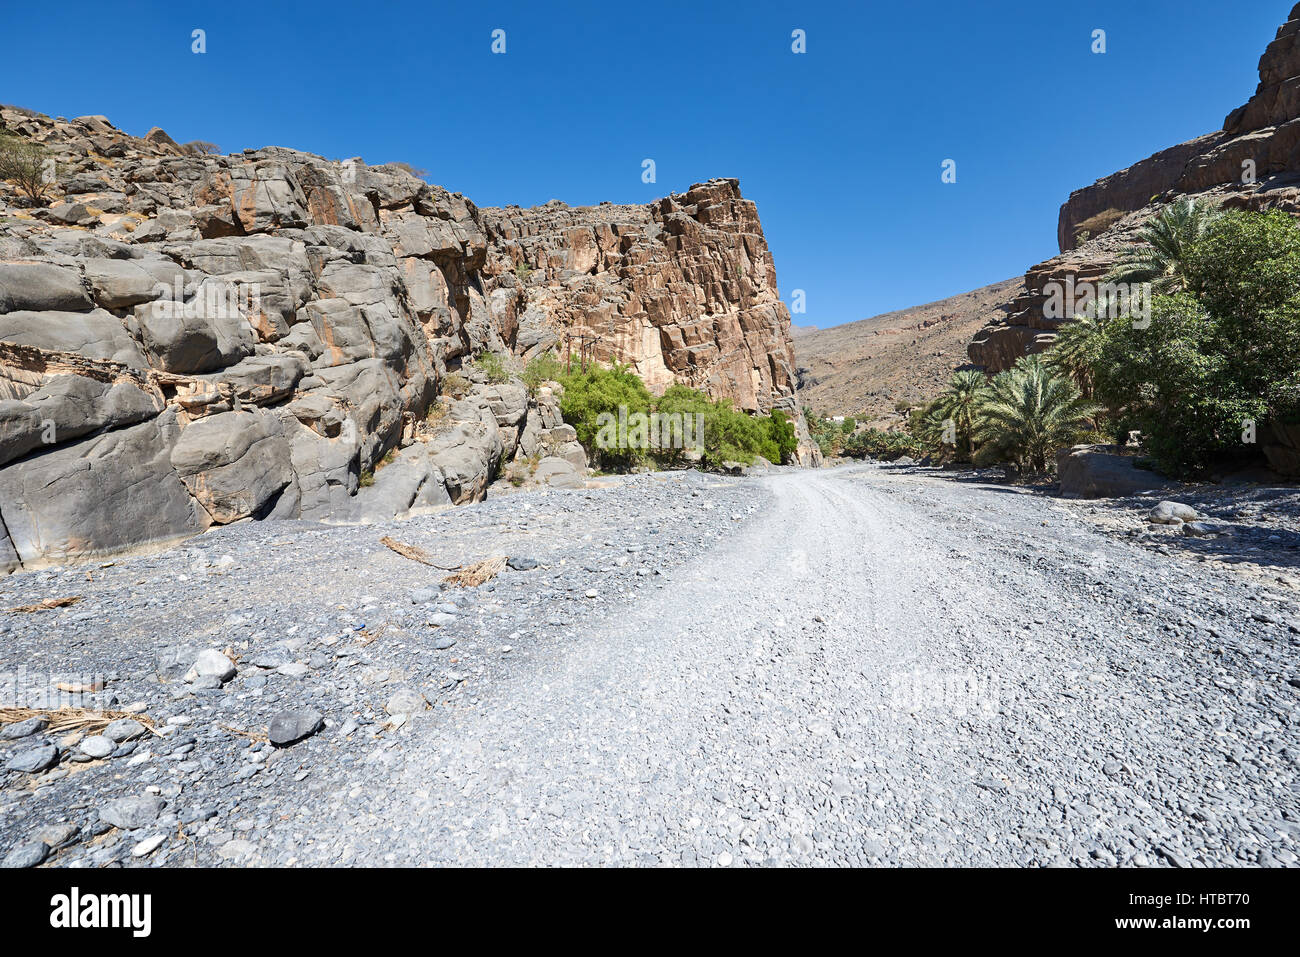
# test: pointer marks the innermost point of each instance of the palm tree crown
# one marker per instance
(1168, 238)
(1030, 411)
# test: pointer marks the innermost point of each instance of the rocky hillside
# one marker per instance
(864, 368)
(683, 289)
(189, 339)
(1253, 162)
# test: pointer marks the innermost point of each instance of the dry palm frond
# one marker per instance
(478, 573)
(46, 605)
(259, 736)
(414, 554)
(65, 720)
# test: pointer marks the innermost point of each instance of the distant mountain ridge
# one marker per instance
(866, 368)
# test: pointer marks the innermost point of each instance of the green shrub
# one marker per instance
(602, 389)
(492, 366)
(543, 368)
(1224, 351)
(729, 434)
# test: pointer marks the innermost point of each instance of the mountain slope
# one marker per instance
(863, 368)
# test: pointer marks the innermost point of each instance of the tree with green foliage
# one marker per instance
(1223, 353)
(882, 445)
(1168, 239)
(1076, 350)
(958, 405)
(1029, 412)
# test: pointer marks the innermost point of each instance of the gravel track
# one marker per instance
(852, 666)
(879, 668)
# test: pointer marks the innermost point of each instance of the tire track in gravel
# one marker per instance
(878, 668)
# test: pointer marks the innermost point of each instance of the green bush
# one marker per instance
(1224, 351)
(598, 390)
(730, 435)
(544, 368)
(492, 366)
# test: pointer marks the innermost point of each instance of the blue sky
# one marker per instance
(841, 146)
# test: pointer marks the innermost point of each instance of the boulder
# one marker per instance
(99, 495)
(96, 334)
(234, 463)
(290, 727)
(1172, 513)
(207, 331)
(67, 407)
(40, 287)
(1099, 471)
(559, 473)
(411, 484)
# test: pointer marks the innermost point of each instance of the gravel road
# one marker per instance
(845, 667)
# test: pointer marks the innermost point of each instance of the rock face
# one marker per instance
(188, 340)
(1253, 162)
(684, 290)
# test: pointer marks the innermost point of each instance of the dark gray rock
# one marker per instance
(26, 854)
(33, 760)
(130, 813)
(290, 727)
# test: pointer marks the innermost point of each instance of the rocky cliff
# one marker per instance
(683, 289)
(1253, 162)
(189, 339)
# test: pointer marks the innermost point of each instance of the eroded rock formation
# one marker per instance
(189, 339)
(683, 289)
(1253, 162)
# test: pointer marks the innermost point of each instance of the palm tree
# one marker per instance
(1076, 351)
(956, 404)
(1168, 237)
(1030, 412)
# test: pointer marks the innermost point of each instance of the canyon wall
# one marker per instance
(1253, 162)
(189, 339)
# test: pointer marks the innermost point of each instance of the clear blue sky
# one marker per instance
(841, 147)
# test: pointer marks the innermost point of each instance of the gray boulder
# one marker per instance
(290, 727)
(99, 495)
(411, 484)
(208, 331)
(96, 334)
(234, 463)
(1172, 513)
(41, 287)
(132, 813)
(66, 407)
(1099, 471)
(33, 760)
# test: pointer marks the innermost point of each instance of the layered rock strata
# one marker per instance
(190, 339)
